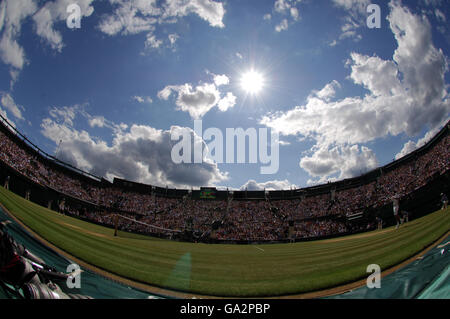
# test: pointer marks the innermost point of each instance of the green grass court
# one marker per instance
(230, 270)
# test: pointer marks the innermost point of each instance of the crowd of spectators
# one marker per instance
(251, 220)
(321, 228)
(312, 215)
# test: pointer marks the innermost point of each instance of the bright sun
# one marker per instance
(252, 82)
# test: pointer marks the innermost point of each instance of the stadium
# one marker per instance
(85, 222)
(200, 242)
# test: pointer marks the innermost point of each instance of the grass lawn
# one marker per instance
(230, 270)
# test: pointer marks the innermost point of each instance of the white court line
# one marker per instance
(443, 245)
(259, 248)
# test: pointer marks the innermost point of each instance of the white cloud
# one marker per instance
(295, 14)
(227, 102)
(130, 17)
(139, 99)
(333, 43)
(284, 25)
(8, 102)
(11, 52)
(208, 10)
(200, 100)
(346, 161)
(44, 28)
(440, 15)
(282, 5)
(354, 6)
(140, 153)
(53, 12)
(5, 116)
(152, 41)
(379, 76)
(165, 93)
(283, 143)
(2, 14)
(196, 101)
(142, 99)
(433, 3)
(98, 121)
(252, 185)
(411, 146)
(221, 80)
(403, 95)
(355, 18)
(133, 17)
(173, 37)
(328, 91)
(66, 114)
(13, 13)
(286, 9)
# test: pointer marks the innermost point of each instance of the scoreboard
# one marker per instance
(208, 192)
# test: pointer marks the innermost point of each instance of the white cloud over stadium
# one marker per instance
(403, 95)
(139, 153)
(199, 100)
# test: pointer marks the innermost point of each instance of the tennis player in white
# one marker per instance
(396, 205)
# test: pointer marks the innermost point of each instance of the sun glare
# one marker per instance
(252, 82)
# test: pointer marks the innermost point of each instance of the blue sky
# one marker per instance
(344, 98)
